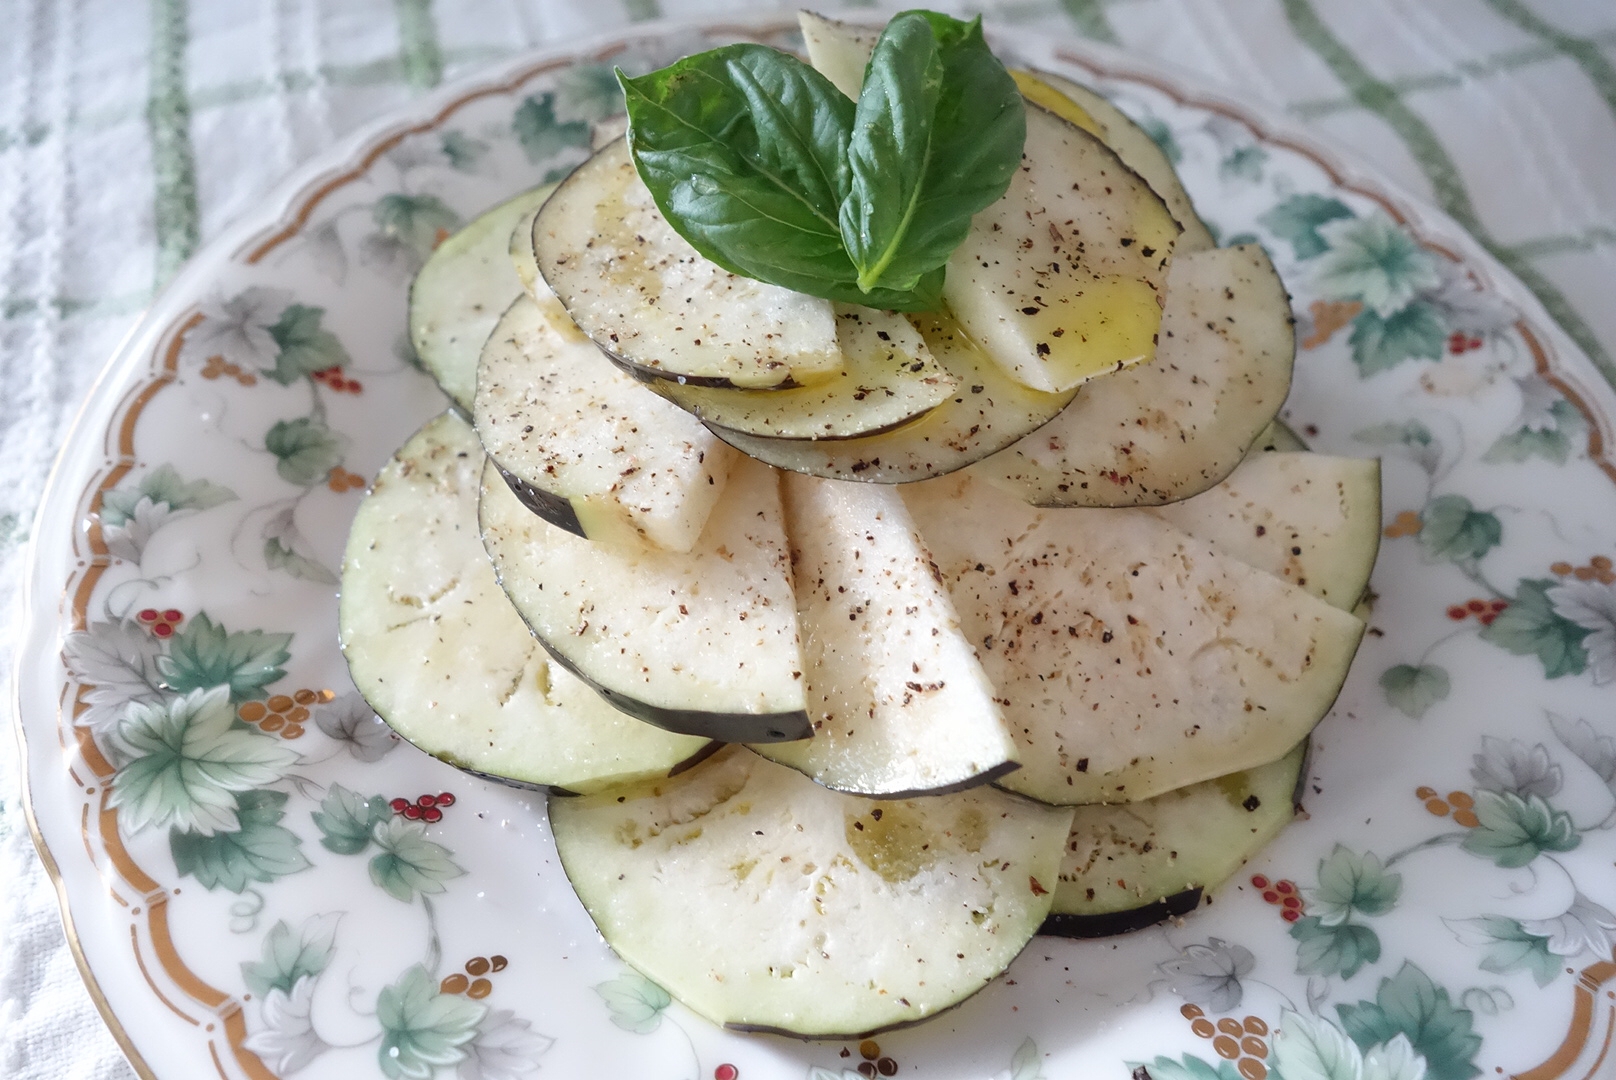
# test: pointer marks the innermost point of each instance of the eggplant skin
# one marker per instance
(725, 727)
(556, 509)
(562, 792)
(1111, 923)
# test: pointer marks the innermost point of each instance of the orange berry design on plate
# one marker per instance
(1407, 523)
(283, 714)
(473, 980)
(1242, 1041)
(1461, 805)
(1599, 568)
(217, 367)
(340, 480)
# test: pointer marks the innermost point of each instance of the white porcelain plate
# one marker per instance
(247, 902)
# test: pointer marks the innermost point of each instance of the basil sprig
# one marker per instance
(771, 172)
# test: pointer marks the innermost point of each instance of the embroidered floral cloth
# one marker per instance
(131, 133)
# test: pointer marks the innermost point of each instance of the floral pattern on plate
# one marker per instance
(266, 882)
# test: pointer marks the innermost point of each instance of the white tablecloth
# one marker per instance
(132, 132)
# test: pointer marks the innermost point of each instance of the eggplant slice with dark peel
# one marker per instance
(437, 650)
(648, 299)
(584, 445)
(900, 705)
(765, 902)
(1132, 865)
(702, 642)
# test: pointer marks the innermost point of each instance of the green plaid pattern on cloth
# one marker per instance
(132, 131)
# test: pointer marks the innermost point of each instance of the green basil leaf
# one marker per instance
(744, 150)
(937, 136)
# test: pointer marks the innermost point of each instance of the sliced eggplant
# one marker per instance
(442, 656)
(702, 642)
(1166, 430)
(889, 378)
(520, 249)
(583, 444)
(460, 292)
(1132, 144)
(1311, 519)
(987, 412)
(1133, 659)
(1061, 279)
(1131, 866)
(838, 50)
(1277, 437)
(650, 301)
(898, 701)
(764, 902)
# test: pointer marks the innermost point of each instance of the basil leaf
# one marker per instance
(937, 136)
(744, 150)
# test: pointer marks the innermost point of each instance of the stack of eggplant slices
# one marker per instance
(857, 646)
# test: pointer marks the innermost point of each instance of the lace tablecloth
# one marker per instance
(131, 133)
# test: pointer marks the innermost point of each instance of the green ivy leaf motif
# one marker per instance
(1412, 437)
(307, 450)
(1297, 220)
(421, 1028)
(416, 222)
(1025, 1063)
(542, 135)
(1245, 163)
(462, 150)
(305, 346)
(288, 957)
(1507, 946)
(409, 862)
(1413, 690)
(1513, 831)
(1454, 530)
(1376, 261)
(189, 762)
(1410, 1004)
(1189, 1067)
(1351, 882)
(261, 850)
(285, 547)
(1333, 950)
(204, 654)
(1530, 626)
(588, 92)
(162, 485)
(345, 820)
(1162, 136)
(1379, 343)
(1549, 443)
(635, 1002)
(1309, 1048)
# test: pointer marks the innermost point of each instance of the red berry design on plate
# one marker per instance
(446, 799)
(398, 805)
(161, 624)
(726, 1071)
(1282, 894)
